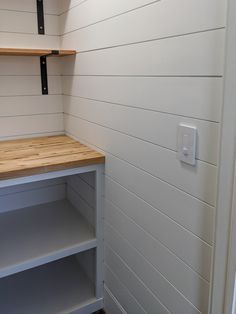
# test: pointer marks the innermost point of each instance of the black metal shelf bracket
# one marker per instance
(40, 15)
(43, 69)
(44, 75)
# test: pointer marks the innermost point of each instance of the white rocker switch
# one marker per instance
(187, 141)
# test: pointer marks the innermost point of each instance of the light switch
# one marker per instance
(187, 141)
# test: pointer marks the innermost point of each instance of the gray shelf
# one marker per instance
(57, 287)
(36, 235)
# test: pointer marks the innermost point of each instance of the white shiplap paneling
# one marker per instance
(138, 289)
(88, 12)
(86, 191)
(12, 40)
(165, 18)
(30, 105)
(66, 5)
(180, 241)
(186, 210)
(200, 54)
(157, 128)
(142, 69)
(199, 181)
(28, 85)
(82, 206)
(50, 7)
(153, 278)
(31, 125)
(124, 297)
(194, 97)
(27, 66)
(23, 109)
(111, 304)
(27, 23)
(170, 80)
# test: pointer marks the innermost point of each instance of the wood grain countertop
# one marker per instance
(31, 156)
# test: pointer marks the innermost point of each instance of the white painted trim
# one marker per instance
(99, 232)
(96, 243)
(226, 172)
(47, 175)
(230, 295)
(234, 297)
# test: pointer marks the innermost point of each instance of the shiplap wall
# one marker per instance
(142, 68)
(23, 110)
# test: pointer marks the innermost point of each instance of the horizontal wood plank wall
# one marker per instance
(143, 67)
(23, 109)
(82, 195)
(19, 28)
(111, 304)
(65, 5)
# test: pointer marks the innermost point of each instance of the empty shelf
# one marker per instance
(58, 287)
(40, 234)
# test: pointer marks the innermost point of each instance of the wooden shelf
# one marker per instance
(27, 157)
(34, 52)
(58, 287)
(43, 54)
(40, 234)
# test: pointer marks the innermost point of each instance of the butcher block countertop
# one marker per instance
(32, 156)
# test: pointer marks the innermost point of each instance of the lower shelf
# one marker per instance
(57, 287)
(36, 235)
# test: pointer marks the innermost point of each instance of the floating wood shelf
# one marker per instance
(35, 52)
(43, 54)
(40, 155)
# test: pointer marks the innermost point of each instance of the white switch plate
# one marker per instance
(187, 141)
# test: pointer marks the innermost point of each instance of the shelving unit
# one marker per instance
(58, 287)
(43, 54)
(43, 154)
(48, 250)
(65, 233)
